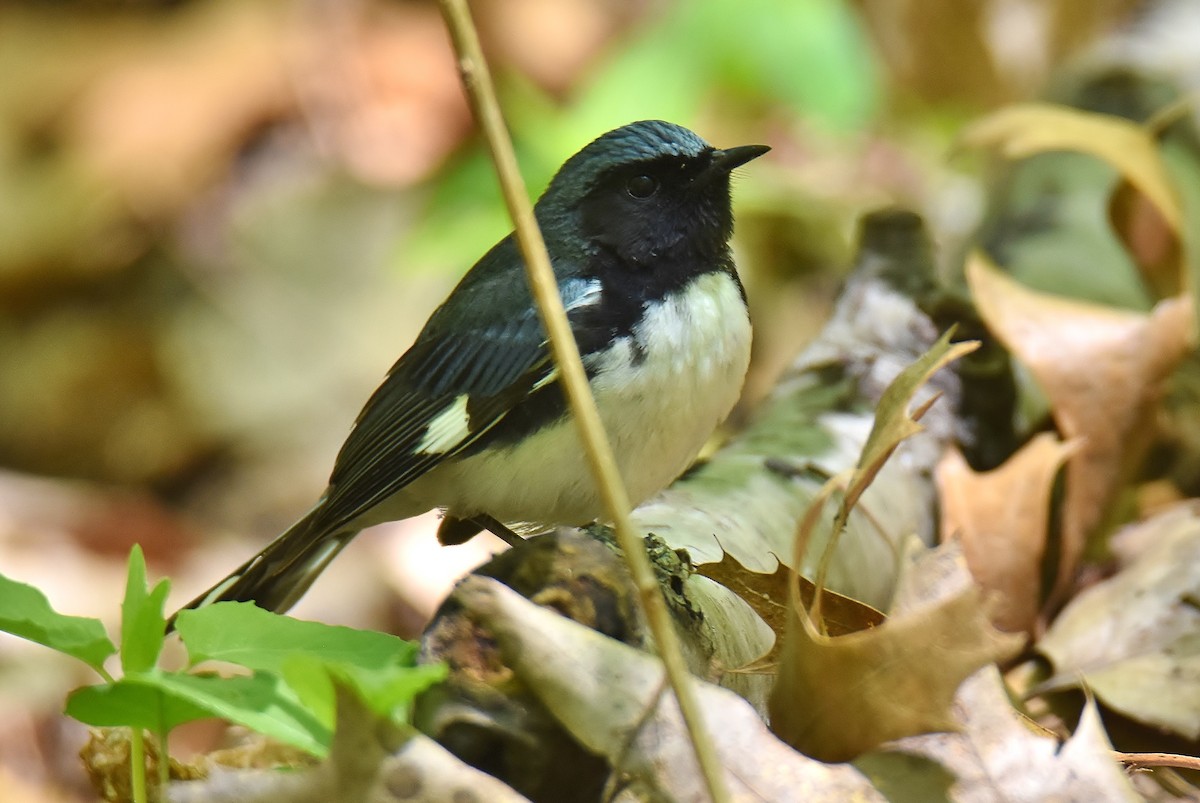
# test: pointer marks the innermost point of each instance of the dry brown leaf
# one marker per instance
(1027, 129)
(1101, 369)
(1002, 518)
(1134, 639)
(1145, 208)
(836, 698)
(997, 755)
(767, 594)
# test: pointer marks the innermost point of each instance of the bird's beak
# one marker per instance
(724, 161)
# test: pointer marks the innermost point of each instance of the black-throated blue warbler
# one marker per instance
(472, 419)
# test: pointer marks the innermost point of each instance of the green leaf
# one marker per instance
(160, 701)
(130, 703)
(893, 421)
(386, 691)
(25, 612)
(378, 666)
(312, 682)
(242, 633)
(806, 54)
(391, 689)
(143, 626)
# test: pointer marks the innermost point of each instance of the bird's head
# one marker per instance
(646, 191)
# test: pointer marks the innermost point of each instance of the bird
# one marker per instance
(472, 418)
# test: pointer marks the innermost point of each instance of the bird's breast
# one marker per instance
(663, 389)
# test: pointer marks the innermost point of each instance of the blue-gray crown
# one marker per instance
(643, 140)
(646, 139)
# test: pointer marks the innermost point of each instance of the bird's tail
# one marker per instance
(278, 576)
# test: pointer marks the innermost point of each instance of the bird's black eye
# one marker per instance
(642, 186)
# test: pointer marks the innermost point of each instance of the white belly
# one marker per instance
(658, 413)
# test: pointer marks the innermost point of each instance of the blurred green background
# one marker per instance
(221, 221)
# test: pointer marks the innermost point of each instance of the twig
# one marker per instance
(477, 80)
(1140, 760)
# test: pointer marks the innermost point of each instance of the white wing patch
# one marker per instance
(448, 429)
(453, 425)
(545, 380)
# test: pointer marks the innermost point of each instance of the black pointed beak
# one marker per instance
(724, 161)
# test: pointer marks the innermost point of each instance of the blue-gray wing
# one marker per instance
(479, 355)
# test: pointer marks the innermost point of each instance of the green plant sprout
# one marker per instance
(288, 694)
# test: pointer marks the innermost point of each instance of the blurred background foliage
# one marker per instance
(222, 220)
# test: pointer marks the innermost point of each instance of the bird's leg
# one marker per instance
(498, 529)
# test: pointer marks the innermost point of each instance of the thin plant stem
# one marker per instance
(137, 765)
(477, 81)
(840, 520)
(804, 530)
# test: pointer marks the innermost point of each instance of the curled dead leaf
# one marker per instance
(838, 697)
(767, 594)
(1102, 370)
(1002, 519)
(1026, 129)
